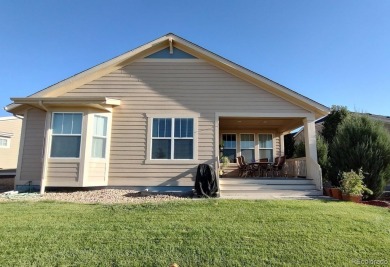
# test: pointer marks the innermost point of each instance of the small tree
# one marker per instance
(361, 143)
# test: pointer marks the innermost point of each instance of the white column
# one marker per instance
(313, 170)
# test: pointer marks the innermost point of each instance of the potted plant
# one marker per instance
(224, 163)
(352, 186)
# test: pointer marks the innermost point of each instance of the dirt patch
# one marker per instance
(378, 203)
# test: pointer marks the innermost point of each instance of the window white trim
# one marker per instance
(5, 140)
(252, 148)
(267, 148)
(150, 117)
(53, 134)
(104, 137)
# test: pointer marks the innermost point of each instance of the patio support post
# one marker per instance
(313, 169)
(281, 142)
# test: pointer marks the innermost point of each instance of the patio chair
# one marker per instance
(277, 168)
(241, 167)
(245, 167)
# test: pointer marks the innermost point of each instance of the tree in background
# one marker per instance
(361, 142)
(332, 121)
(289, 145)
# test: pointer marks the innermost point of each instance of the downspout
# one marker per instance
(44, 149)
(216, 149)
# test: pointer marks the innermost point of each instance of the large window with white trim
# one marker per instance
(247, 145)
(229, 144)
(66, 135)
(172, 138)
(266, 146)
(99, 137)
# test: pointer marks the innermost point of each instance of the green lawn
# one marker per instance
(193, 233)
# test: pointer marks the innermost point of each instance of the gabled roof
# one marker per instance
(170, 40)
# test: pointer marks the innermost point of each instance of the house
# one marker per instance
(10, 129)
(148, 117)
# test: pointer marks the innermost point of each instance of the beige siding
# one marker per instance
(62, 173)
(176, 87)
(96, 172)
(9, 155)
(31, 166)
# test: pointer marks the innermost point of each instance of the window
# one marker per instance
(248, 147)
(173, 138)
(229, 146)
(99, 137)
(66, 135)
(266, 146)
(4, 142)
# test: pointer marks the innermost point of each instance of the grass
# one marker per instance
(193, 233)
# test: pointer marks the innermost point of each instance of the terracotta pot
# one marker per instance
(353, 198)
(328, 192)
(336, 193)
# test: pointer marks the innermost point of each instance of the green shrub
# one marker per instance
(352, 183)
(361, 143)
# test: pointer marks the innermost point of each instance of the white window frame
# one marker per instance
(235, 148)
(8, 142)
(52, 134)
(150, 138)
(99, 136)
(254, 146)
(262, 148)
(172, 138)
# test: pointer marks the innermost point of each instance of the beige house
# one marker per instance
(10, 129)
(148, 117)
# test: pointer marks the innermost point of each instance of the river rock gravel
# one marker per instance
(103, 196)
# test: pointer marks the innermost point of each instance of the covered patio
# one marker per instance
(256, 137)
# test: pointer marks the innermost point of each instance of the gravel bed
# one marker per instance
(103, 196)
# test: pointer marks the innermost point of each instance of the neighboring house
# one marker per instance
(148, 117)
(10, 129)
(299, 136)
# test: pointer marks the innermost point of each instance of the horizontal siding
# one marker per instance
(31, 167)
(62, 173)
(9, 155)
(153, 87)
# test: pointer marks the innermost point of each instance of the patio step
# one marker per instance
(249, 187)
(267, 188)
(270, 181)
(271, 194)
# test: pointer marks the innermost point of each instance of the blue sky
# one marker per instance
(332, 51)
